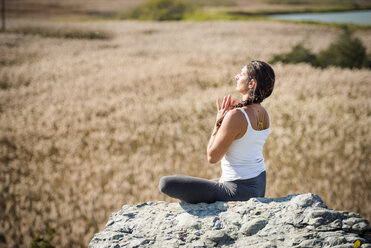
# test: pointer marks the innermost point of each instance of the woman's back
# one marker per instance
(257, 114)
(244, 158)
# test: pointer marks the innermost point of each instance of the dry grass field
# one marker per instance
(87, 125)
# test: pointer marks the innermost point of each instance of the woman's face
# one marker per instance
(241, 78)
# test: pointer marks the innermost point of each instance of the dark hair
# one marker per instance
(264, 76)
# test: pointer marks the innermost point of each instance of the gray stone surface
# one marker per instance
(300, 220)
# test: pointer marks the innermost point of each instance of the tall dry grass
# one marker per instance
(89, 125)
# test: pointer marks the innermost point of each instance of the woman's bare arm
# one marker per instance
(220, 142)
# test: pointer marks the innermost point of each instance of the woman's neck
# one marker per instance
(246, 97)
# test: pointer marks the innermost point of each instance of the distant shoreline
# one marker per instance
(61, 12)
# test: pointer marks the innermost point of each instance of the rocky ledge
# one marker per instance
(300, 220)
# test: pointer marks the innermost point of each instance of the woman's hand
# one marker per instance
(224, 108)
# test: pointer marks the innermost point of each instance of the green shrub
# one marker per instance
(44, 241)
(298, 54)
(160, 10)
(346, 52)
(209, 3)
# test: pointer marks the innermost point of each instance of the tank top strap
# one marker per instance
(247, 117)
(248, 120)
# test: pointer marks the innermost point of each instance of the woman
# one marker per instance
(237, 140)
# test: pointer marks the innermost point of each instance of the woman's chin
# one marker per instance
(239, 90)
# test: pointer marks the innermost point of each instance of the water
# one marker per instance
(360, 17)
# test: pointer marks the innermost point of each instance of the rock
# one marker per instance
(253, 226)
(214, 237)
(187, 221)
(300, 220)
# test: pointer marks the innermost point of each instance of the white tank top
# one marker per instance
(244, 158)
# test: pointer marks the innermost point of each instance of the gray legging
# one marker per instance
(194, 190)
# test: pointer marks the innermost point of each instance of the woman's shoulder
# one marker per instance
(235, 112)
(235, 115)
(236, 122)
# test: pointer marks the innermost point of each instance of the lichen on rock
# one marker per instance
(300, 220)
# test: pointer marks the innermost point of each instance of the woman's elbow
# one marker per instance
(212, 159)
(214, 155)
